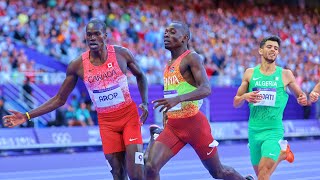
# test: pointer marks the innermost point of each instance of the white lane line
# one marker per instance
(307, 178)
(169, 166)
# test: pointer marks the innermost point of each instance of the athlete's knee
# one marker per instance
(264, 173)
(118, 173)
(137, 175)
(117, 169)
(263, 176)
(221, 173)
(151, 169)
(136, 166)
(218, 173)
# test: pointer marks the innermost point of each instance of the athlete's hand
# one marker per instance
(14, 119)
(314, 96)
(302, 100)
(145, 112)
(253, 97)
(166, 103)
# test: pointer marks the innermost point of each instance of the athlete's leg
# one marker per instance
(265, 168)
(134, 150)
(154, 133)
(162, 150)
(285, 154)
(219, 171)
(114, 150)
(270, 152)
(135, 161)
(254, 146)
(159, 155)
(118, 166)
(121, 139)
(282, 157)
(199, 136)
(132, 139)
(256, 169)
(255, 156)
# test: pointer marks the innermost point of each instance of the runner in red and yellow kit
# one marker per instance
(103, 69)
(185, 85)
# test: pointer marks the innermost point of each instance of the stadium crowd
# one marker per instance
(225, 33)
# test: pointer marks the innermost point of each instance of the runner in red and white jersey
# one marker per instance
(103, 69)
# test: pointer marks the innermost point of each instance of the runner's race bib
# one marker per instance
(108, 97)
(170, 94)
(268, 96)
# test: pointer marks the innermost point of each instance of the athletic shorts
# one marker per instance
(193, 130)
(265, 144)
(119, 129)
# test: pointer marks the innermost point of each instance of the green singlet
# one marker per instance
(265, 121)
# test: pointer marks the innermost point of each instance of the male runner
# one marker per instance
(103, 69)
(185, 85)
(264, 87)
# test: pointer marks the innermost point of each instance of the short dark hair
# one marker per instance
(184, 27)
(99, 22)
(270, 38)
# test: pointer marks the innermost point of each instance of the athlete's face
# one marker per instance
(174, 36)
(269, 51)
(95, 37)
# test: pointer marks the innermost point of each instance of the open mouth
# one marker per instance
(93, 45)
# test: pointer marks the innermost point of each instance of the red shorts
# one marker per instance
(194, 130)
(119, 129)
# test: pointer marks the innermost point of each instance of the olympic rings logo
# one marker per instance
(61, 138)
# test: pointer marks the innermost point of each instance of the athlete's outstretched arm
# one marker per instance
(141, 81)
(293, 86)
(314, 95)
(58, 100)
(242, 93)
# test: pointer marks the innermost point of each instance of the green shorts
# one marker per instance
(265, 144)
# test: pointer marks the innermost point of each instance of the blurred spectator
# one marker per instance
(28, 93)
(75, 101)
(306, 87)
(60, 117)
(93, 114)
(84, 97)
(28, 99)
(83, 115)
(318, 110)
(224, 32)
(70, 116)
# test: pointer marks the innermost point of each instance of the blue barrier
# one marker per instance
(89, 136)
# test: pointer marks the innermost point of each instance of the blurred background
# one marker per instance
(39, 38)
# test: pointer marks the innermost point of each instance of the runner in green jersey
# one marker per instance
(264, 88)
